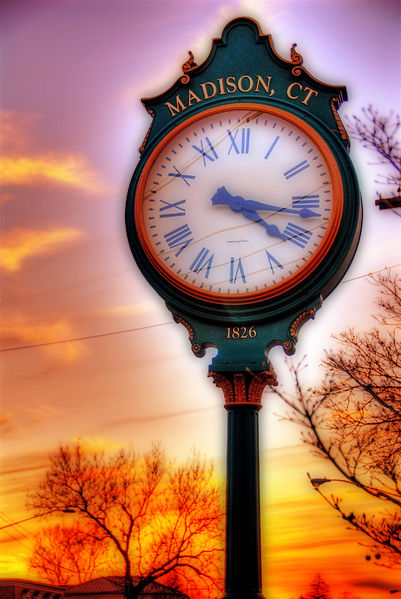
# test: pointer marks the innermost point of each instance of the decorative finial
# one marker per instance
(297, 60)
(188, 66)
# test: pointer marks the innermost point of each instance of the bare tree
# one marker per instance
(354, 421)
(162, 522)
(379, 133)
(67, 554)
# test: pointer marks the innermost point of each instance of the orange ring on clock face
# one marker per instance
(279, 288)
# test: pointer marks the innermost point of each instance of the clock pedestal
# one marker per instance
(242, 394)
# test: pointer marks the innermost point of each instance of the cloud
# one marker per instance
(97, 445)
(5, 418)
(28, 417)
(20, 244)
(21, 165)
(69, 170)
(372, 583)
(155, 417)
(37, 333)
(41, 412)
(21, 464)
(134, 309)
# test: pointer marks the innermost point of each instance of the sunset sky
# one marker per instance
(72, 75)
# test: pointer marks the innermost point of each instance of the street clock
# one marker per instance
(244, 212)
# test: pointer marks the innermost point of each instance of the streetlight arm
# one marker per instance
(316, 482)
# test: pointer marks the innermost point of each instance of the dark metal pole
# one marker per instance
(243, 392)
(243, 549)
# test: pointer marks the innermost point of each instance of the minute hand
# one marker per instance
(272, 230)
(302, 212)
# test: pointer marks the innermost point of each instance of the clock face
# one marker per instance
(238, 204)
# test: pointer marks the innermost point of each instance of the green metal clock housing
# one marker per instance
(244, 210)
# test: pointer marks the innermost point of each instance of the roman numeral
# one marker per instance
(244, 139)
(235, 270)
(270, 150)
(297, 234)
(295, 170)
(202, 260)
(208, 154)
(273, 262)
(183, 176)
(307, 201)
(180, 237)
(175, 207)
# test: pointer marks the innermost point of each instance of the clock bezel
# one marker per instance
(316, 279)
(273, 290)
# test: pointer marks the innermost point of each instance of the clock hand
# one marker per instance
(272, 230)
(238, 204)
(302, 212)
(222, 196)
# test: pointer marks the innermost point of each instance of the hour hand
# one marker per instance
(222, 196)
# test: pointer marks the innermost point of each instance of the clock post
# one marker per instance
(244, 213)
(242, 393)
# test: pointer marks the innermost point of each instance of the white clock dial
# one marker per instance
(238, 204)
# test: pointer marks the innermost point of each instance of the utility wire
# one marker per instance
(370, 273)
(151, 326)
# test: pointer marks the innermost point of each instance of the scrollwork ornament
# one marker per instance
(198, 349)
(145, 141)
(289, 347)
(180, 320)
(297, 60)
(298, 322)
(289, 344)
(188, 66)
(335, 103)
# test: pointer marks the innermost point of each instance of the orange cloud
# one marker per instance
(20, 244)
(37, 333)
(41, 413)
(5, 418)
(68, 170)
(29, 169)
(91, 445)
(134, 309)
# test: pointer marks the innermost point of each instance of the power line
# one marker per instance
(151, 326)
(31, 546)
(72, 339)
(370, 273)
(14, 523)
(18, 540)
